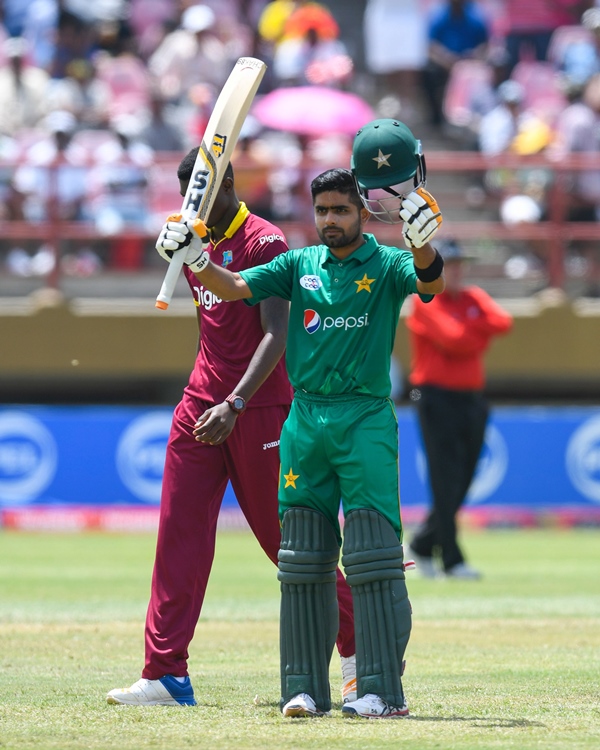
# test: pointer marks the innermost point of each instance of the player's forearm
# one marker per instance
(223, 283)
(425, 258)
(265, 358)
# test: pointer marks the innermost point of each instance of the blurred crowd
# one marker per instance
(104, 90)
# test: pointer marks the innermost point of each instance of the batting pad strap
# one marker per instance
(309, 611)
(373, 562)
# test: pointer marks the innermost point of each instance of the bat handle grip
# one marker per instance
(168, 286)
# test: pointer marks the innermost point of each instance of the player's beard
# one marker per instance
(341, 237)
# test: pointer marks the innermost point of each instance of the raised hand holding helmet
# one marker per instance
(422, 218)
(388, 163)
(190, 237)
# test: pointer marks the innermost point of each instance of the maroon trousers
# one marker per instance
(194, 482)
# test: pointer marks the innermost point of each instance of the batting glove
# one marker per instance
(191, 237)
(422, 218)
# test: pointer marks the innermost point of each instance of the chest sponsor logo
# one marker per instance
(206, 299)
(312, 283)
(270, 238)
(312, 321)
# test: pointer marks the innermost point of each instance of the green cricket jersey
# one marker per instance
(343, 314)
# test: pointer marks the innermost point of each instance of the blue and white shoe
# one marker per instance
(167, 691)
(371, 706)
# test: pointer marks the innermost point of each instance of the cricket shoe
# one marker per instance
(167, 691)
(464, 572)
(425, 566)
(302, 705)
(349, 678)
(371, 706)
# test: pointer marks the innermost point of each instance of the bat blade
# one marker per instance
(216, 148)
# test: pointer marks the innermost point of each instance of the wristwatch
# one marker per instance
(237, 403)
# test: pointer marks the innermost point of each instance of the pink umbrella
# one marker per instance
(313, 110)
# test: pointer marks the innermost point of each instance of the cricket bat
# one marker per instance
(216, 149)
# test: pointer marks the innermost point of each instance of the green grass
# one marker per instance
(512, 661)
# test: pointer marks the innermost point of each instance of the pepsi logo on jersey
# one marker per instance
(312, 321)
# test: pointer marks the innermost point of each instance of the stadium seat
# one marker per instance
(466, 78)
(129, 82)
(541, 82)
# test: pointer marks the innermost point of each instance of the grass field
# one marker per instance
(512, 661)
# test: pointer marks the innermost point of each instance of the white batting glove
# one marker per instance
(191, 237)
(422, 218)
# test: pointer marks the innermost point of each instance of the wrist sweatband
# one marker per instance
(198, 265)
(433, 271)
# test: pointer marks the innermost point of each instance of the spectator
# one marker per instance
(148, 19)
(457, 30)
(510, 128)
(40, 28)
(486, 97)
(501, 124)
(310, 51)
(82, 93)
(449, 336)
(271, 22)
(397, 66)
(23, 89)
(581, 58)
(119, 187)
(578, 131)
(160, 134)
(529, 25)
(75, 40)
(52, 176)
(14, 15)
(189, 55)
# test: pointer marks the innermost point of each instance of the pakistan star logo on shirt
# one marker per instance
(364, 283)
(290, 479)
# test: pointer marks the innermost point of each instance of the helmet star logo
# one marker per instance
(364, 283)
(382, 159)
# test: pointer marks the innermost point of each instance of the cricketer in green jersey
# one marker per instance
(339, 444)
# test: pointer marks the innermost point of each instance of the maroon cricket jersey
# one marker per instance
(231, 331)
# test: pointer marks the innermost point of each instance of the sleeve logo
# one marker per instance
(312, 283)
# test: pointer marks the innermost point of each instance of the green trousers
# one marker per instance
(341, 449)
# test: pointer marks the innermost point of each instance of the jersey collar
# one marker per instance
(361, 255)
(241, 216)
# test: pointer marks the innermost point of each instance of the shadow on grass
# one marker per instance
(477, 721)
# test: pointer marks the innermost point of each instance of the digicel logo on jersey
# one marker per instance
(205, 298)
(312, 321)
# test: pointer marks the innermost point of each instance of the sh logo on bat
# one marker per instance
(198, 190)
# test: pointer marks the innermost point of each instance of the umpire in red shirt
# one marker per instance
(449, 337)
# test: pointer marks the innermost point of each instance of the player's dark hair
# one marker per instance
(186, 166)
(339, 180)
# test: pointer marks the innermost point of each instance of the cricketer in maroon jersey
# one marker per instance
(240, 352)
(230, 335)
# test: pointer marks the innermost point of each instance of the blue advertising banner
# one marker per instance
(106, 457)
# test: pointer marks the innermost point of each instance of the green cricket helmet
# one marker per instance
(387, 163)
